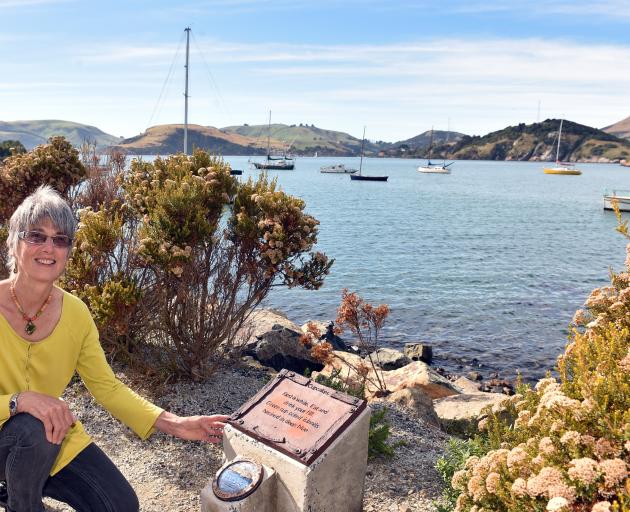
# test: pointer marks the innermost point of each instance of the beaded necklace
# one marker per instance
(30, 326)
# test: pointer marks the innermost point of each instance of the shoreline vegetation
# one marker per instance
(523, 142)
(174, 291)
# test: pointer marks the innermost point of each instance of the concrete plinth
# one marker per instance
(263, 499)
(332, 483)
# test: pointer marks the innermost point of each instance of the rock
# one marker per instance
(346, 364)
(281, 348)
(419, 375)
(387, 359)
(258, 323)
(465, 385)
(459, 413)
(476, 376)
(419, 352)
(416, 401)
(327, 334)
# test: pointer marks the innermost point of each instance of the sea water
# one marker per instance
(487, 264)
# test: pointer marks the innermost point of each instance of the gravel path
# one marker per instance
(168, 474)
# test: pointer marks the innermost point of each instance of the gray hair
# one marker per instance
(44, 203)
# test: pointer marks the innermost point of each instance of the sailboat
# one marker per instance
(274, 162)
(360, 176)
(561, 167)
(432, 168)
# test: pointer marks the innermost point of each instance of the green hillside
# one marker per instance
(418, 146)
(33, 133)
(538, 142)
(305, 140)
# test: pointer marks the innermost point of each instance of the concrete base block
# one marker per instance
(332, 483)
(263, 499)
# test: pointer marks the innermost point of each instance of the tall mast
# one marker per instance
(268, 135)
(187, 30)
(362, 146)
(559, 135)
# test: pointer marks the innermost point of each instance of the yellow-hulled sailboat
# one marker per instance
(561, 167)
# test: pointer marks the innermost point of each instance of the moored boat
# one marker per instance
(277, 163)
(360, 176)
(561, 167)
(430, 167)
(337, 169)
(621, 197)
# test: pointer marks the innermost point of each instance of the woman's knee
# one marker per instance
(26, 430)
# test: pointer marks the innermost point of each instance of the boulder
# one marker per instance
(281, 348)
(464, 385)
(346, 363)
(274, 341)
(419, 352)
(459, 413)
(387, 359)
(419, 375)
(416, 401)
(263, 320)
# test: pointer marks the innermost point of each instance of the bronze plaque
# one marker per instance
(297, 416)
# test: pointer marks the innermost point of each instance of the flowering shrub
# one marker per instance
(56, 163)
(177, 257)
(173, 255)
(565, 444)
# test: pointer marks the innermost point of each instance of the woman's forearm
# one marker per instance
(169, 423)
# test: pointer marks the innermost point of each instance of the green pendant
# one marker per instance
(30, 327)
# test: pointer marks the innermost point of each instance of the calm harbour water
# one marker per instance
(488, 263)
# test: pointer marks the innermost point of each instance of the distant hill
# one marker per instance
(33, 133)
(169, 138)
(538, 142)
(620, 129)
(418, 146)
(306, 140)
(300, 140)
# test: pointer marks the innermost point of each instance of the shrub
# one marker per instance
(173, 255)
(567, 444)
(458, 451)
(56, 163)
(10, 147)
(175, 259)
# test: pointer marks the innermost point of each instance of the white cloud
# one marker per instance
(13, 4)
(482, 85)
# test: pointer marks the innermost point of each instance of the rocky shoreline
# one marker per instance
(423, 409)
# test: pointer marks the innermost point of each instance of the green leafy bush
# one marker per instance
(458, 451)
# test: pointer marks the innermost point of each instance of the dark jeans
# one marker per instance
(90, 483)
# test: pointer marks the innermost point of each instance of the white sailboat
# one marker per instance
(282, 162)
(433, 168)
(561, 167)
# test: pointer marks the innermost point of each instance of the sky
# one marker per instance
(397, 67)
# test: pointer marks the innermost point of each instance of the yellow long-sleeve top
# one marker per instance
(48, 365)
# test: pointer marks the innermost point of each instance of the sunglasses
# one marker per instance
(38, 238)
